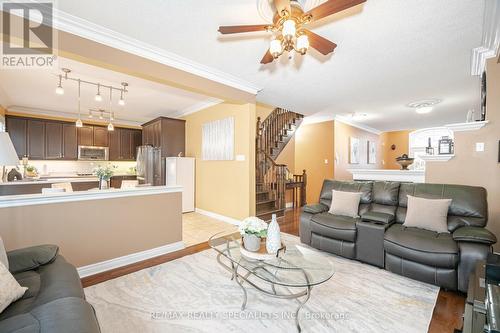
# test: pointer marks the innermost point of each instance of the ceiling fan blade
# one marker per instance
(331, 7)
(236, 29)
(323, 45)
(282, 5)
(268, 57)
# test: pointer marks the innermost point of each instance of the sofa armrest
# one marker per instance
(377, 217)
(315, 208)
(474, 234)
(30, 258)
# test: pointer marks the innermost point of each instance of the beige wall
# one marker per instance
(342, 134)
(398, 138)
(469, 167)
(225, 187)
(314, 143)
(88, 232)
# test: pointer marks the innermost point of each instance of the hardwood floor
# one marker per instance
(447, 314)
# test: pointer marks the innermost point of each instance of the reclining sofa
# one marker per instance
(378, 236)
(54, 301)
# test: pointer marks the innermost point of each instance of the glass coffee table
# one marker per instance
(291, 275)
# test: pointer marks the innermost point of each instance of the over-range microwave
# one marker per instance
(93, 153)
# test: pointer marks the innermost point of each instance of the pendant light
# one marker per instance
(98, 96)
(60, 89)
(79, 120)
(111, 117)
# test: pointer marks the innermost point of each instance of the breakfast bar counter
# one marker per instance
(96, 230)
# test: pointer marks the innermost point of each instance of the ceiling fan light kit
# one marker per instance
(289, 27)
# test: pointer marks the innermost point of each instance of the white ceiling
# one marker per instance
(390, 53)
(34, 91)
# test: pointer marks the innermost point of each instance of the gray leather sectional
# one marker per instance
(378, 236)
(54, 301)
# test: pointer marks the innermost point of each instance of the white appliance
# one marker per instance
(180, 171)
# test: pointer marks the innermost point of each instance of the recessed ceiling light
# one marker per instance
(423, 109)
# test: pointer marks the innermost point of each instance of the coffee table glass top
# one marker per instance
(297, 266)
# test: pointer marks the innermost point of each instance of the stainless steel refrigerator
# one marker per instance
(150, 167)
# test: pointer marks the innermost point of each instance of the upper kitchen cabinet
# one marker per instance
(17, 129)
(70, 141)
(86, 136)
(53, 140)
(123, 143)
(101, 136)
(36, 139)
(166, 133)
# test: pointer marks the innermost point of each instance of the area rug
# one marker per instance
(195, 294)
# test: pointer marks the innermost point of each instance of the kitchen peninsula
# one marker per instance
(146, 221)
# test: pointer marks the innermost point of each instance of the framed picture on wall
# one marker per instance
(354, 150)
(372, 152)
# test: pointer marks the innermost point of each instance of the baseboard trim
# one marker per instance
(108, 265)
(219, 217)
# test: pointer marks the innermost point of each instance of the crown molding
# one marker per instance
(68, 115)
(197, 107)
(80, 27)
(490, 40)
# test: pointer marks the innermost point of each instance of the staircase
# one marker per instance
(273, 134)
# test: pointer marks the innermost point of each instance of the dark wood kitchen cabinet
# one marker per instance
(70, 141)
(53, 140)
(36, 139)
(41, 139)
(166, 133)
(86, 135)
(101, 136)
(123, 143)
(17, 129)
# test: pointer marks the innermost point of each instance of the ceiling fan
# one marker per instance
(289, 26)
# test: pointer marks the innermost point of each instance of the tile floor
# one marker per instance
(197, 228)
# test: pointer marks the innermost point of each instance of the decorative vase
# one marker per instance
(103, 184)
(251, 242)
(273, 242)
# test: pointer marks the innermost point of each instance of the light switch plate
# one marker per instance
(240, 157)
(326, 161)
(479, 146)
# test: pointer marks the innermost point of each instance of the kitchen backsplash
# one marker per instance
(72, 167)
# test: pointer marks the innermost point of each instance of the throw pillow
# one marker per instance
(429, 214)
(3, 255)
(10, 290)
(345, 203)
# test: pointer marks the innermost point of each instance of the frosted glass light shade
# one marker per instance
(111, 127)
(302, 43)
(60, 90)
(8, 155)
(79, 123)
(98, 98)
(275, 48)
(423, 109)
(289, 29)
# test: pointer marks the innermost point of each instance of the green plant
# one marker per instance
(31, 168)
(104, 173)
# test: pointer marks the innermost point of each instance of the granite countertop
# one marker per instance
(60, 178)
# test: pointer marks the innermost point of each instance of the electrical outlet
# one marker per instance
(479, 146)
(326, 161)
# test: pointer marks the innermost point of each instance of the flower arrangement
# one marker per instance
(253, 226)
(104, 173)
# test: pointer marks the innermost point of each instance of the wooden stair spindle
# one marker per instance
(272, 135)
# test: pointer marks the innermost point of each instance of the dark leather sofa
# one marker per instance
(378, 236)
(54, 301)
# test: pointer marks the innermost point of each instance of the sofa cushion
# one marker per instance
(334, 226)
(45, 284)
(385, 193)
(30, 258)
(468, 207)
(70, 314)
(422, 246)
(328, 185)
(345, 203)
(10, 290)
(315, 208)
(3, 255)
(429, 214)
